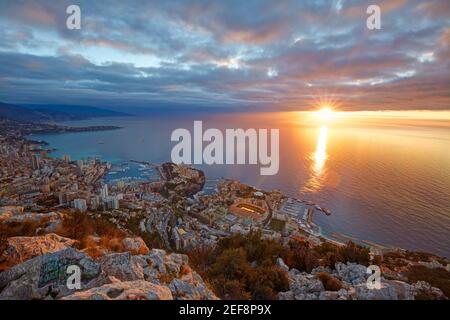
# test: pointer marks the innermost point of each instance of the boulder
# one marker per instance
(157, 275)
(129, 290)
(385, 292)
(352, 273)
(122, 266)
(328, 295)
(189, 290)
(302, 286)
(282, 264)
(135, 245)
(20, 249)
(404, 290)
(424, 288)
(46, 276)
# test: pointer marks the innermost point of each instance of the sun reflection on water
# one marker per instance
(318, 159)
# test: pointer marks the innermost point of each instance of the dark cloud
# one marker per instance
(277, 54)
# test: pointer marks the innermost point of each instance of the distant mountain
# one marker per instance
(14, 112)
(75, 110)
(34, 112)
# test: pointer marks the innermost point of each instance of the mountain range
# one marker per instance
(47, 112)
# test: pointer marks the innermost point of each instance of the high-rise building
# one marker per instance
(62, 198)
(80, 163)
(104, 192)
(95, 202)
(66, 158)
(35, 165)
(112, 202)
(80, 204)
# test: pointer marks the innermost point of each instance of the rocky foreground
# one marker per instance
(156, 275)
(40, 264)
(352, 285)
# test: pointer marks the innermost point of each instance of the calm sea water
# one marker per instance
(386, 178)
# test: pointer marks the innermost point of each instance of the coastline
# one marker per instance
(327, 234)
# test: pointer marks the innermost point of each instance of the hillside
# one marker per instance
(53, 112)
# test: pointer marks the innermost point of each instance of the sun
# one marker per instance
(325, 113)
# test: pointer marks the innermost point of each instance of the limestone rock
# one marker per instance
(282, 264)
(302, 286)
(156, 275)
(122, 266)
(351, 272)
(422, 287)
(129, 290)
(20, 249)
(385, 292)
(321, 269)
(45, 276)
(404, 291)
(135, 245)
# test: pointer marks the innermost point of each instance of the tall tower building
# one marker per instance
(104, 192)
(66, 158)
(80, 204)
(35, 165)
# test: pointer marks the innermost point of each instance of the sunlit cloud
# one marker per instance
(279, 55)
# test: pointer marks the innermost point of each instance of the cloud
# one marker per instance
(274, 54)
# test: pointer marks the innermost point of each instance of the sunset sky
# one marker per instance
(257, 54)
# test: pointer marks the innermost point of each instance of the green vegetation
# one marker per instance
(351, 252)
(438, 277)
(242, 267)
(302, 256)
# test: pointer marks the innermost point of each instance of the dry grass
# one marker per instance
(439, 278)
(81, 227)
(329, 282)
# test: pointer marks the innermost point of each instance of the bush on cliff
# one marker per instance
(329, 282)
(437, 277)
(300, 255)
(242, 267)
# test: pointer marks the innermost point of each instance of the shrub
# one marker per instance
(76, 226)
(266, 281)
(329, 282)
(202, 257)
(300, 256)
(355, 253)
(256, 248)
(438, 277)
(81, 227)
(242, 267)
(94, 252)
(230, 289)
(3, 243)
(25, 228)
